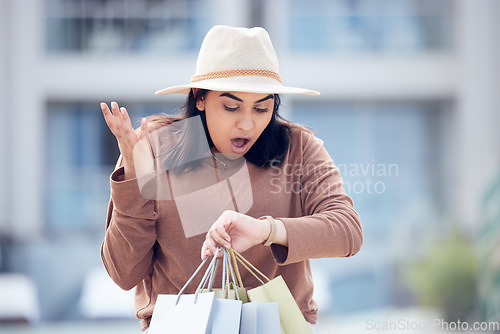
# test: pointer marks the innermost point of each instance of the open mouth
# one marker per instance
(240, 145)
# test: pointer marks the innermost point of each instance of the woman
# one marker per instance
(279, 183)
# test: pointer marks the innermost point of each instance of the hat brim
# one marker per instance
(249, 84)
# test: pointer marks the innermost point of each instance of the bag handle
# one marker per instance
(235, 266)
(194, 275)
(225, 282)
(209, 274)
(227, 274)
(250, 267)
(231, 272)
(213, 275)
(238, 282)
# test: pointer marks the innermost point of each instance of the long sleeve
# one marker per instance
(329, 227)
(127, 249)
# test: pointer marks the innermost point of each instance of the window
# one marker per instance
(369, 26)
(110, 26)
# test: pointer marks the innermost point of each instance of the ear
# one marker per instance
(200, 104)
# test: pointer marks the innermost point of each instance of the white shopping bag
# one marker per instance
(226, 312)
(248, 324)
(268, 319)
(187, 316)
(256, 318)
(260, 318)
(181, 314)
(226, 316)
(276, 291)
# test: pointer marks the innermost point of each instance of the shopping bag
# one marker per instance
(291, 319)
(226, 317)
(180, 314)
(248, 323)
(226, 312)
(187, 316)
(268, 318)
(260, 318)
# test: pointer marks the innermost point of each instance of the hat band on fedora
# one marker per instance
(235, 73)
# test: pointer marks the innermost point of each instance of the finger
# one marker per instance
(204, 252)
(128, 130)
(117, 118)
(215, 235)
(208, 252)
(108, 117)
(144, 128)
(208, 248)
(221, 230)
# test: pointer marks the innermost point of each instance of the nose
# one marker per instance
(245, 121)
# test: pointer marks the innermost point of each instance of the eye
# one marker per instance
(262, 110)
(230, 109)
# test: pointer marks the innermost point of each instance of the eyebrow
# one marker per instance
(231, 96)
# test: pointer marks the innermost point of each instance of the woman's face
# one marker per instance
(235, 120)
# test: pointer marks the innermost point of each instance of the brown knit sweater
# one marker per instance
(145, 244)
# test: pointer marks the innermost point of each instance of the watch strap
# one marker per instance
(272, 232)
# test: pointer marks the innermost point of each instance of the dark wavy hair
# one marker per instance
(272, 145)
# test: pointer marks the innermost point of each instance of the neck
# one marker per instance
(225, 162)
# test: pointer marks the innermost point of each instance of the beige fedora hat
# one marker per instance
(240, 60)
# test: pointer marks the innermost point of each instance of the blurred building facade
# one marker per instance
(408, 110)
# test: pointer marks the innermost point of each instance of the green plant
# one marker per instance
(446, 276)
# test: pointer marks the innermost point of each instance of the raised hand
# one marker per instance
(134, 145)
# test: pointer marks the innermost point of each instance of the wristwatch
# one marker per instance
(272, 232)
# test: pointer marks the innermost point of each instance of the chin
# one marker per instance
(234, 156)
